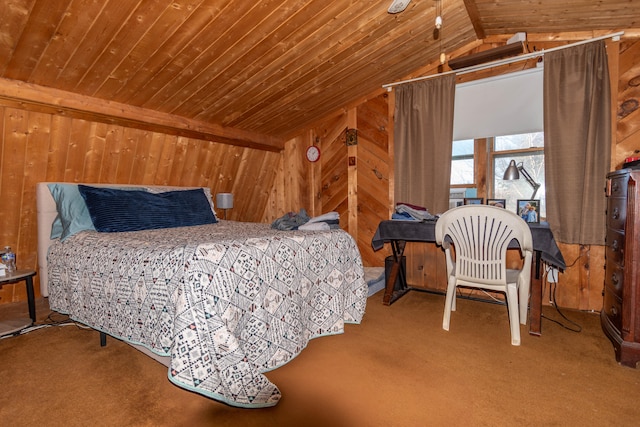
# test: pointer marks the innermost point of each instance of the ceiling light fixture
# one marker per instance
(398, 6)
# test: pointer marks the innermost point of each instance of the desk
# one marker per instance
(398, 232)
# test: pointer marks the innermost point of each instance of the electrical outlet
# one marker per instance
(552, 275)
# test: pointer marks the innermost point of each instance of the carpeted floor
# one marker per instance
(398, 368)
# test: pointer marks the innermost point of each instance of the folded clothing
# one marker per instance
(329, 216)
(310, 226)
(291, 220)
(418, 213)
(296, 221)
(414, 207)
(333, 224)
(402, 216)
(330, 219)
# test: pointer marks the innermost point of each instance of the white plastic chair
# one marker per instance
(480, 235)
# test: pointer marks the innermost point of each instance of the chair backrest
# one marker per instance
(480, 235)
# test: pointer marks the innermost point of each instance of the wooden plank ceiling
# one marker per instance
(269, 67)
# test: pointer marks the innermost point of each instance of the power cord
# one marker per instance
(472, 291)
(552, 293)
(577, 258)
(574, 327)
(49, 322)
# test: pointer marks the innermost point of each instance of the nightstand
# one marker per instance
(15, 325)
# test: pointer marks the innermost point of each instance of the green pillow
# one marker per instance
(73, 215)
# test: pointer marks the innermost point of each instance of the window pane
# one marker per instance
(462, 171)
(519, 142)
(462, 165)
(463, 147)
(533, 163)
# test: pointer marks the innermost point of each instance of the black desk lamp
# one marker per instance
(513, 172)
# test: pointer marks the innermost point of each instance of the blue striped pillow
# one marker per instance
(114, 210)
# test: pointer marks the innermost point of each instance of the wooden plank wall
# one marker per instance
(291, 187)
(330, 181)
(358, 189)
(374, 162)
(628, 105)
(37, 147)
(353, 180)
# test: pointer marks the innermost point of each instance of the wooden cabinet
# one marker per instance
(620, 316)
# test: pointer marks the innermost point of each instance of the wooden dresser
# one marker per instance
(620, 316)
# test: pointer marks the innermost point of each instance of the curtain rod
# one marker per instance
(615, 36)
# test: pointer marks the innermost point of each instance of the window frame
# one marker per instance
(492, 154)
(484, 159)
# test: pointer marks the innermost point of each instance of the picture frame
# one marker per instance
(473, 200)
(529, 209)
(500, 203)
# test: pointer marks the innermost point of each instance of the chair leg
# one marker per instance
(514, 313)
(449, 304)
(523, 302)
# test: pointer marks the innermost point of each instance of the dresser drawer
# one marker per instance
(612, 307)
(615, 246)
(614, 277)
(616, 213)
(617, 185)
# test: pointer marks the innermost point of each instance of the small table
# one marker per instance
(16, 325)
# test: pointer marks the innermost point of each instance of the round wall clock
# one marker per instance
(313, 153)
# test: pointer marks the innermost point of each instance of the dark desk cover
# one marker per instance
(424, 231)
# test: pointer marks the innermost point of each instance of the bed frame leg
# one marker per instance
(103, 339)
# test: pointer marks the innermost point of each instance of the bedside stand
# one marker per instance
(15, 325)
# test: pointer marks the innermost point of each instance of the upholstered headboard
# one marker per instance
(47, 212)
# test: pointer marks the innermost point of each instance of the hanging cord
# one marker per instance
(574, 327)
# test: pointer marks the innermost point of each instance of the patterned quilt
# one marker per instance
(225, 309)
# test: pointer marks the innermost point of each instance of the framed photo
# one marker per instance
(500, 203)
(529, 210)
(473, 200)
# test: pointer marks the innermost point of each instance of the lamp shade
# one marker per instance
(511, 172)
(224, 200)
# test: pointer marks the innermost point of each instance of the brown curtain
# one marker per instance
(577, 136)
(423, 141)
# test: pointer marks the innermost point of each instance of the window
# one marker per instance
(528, 150)
(525, 149)
(510, 105)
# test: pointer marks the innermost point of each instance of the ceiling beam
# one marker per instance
(474, 16)
(53, 101)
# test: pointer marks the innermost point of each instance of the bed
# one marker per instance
(219, 303)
